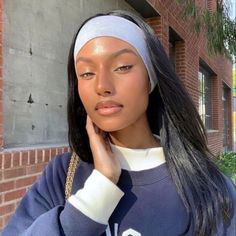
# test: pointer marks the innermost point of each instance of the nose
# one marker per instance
(104, 83)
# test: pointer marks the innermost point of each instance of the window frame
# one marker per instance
(205, 91)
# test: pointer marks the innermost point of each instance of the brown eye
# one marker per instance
(124, 68)
(87, 75)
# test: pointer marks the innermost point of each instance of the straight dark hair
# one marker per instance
(173, 115)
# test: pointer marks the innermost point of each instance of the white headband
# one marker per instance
(120, 28)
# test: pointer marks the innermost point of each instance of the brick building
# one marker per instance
(234, 108)
(207, 79)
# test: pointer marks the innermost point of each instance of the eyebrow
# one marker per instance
(114, 55)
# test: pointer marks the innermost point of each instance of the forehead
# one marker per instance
(107, 45)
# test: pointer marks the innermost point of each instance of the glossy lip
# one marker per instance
(108, 107)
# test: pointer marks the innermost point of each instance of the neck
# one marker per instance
(137, 136)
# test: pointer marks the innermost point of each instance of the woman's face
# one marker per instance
(113, 83)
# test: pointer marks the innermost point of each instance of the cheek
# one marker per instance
(138, 86)
(140, 80)
(83, 92)
(136, 96)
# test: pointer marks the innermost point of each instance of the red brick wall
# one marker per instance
(211, 4)
(189, 53)
(1, 73)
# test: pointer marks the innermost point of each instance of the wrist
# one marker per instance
(113, 177)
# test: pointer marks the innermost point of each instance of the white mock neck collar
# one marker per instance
(139, 159)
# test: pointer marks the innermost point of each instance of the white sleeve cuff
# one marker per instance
(98, 199)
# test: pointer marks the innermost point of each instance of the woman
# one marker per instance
(144, 167)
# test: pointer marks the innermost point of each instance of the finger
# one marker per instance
(90, 126)
(108, 145)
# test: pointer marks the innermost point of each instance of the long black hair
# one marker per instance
(171, 114)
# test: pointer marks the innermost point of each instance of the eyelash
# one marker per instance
(86, 75)
(124, 68)
(121, 68)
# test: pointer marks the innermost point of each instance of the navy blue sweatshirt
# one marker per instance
(150, 206)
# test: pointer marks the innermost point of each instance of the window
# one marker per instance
(226, 101)
(172, 53)
(176, 49)
(205, 98)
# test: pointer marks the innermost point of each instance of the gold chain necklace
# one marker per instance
(70, 174)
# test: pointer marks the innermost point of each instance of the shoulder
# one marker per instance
(231, 188)
(56, 169)
(69, 173)
(61, 166)
(230, 185)
(59, 163)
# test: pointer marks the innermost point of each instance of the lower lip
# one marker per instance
(109, 110)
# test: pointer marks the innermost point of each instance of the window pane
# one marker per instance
(208, 102)
(205, 98)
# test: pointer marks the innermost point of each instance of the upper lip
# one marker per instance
(107, 104)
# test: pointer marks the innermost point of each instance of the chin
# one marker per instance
(110, 126)
(109, 129)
